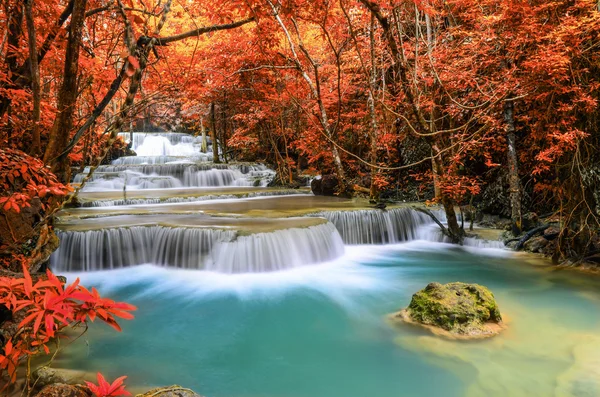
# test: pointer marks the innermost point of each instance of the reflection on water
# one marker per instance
(320, 331)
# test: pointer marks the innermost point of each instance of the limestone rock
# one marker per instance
(536, 244)
(170, 391)
(45, 376)
(456, 310)
(63, 390)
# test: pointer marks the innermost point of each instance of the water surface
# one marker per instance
(320, 331)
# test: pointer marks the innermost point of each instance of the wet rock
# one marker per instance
(171, 391)
(456, 310)
(327, 185)
(530, 221)
(551, 233)
(536, 244)
(63, 390)
(45, 376)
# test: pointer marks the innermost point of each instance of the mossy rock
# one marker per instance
(456, 309)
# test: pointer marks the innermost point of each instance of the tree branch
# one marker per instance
(194, 33)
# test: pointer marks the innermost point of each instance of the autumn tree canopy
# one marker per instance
(461, 102)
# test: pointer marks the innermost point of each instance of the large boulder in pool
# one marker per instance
(456, 310)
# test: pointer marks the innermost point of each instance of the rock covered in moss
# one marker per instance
(457, 309)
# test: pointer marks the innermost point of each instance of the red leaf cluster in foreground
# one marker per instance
(44, 308)
(105, 389)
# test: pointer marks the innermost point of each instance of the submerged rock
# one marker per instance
(456, 310)
(170, 391)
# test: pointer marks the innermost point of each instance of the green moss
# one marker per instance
(455, 307)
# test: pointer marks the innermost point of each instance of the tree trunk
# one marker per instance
(455, 231)
(36, 146)
(513, 169)
(223, 139)
(67, 98)
(373, 191)
(213, 134)
(204, 144)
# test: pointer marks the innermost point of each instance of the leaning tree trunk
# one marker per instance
(513, 169)
(67, 98)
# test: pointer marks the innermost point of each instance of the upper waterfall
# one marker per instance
(171, 160)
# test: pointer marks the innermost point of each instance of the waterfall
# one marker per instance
(376, 226)
(137, 160)
(159, 176)
(433, 233)
(196, 248)
(214, 177)
(279, 250)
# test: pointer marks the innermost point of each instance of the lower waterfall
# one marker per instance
(196, 248)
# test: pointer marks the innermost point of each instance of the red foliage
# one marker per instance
(46, 307)
(23, 178)
(105, 389)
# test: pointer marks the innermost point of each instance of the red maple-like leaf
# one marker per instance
(105, 389)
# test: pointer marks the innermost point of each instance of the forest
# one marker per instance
(200, 141)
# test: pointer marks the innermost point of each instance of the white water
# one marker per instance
(196, 248)
(377, 226)
(174, 174)
(169, 160)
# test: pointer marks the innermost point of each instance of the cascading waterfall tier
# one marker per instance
(376, 226)
(433, 233)
(141, 160)
(161, 176)
(165, 144)
(216, 250)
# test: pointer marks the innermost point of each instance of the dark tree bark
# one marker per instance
(67, 98)
(213, 134)
(36, 145)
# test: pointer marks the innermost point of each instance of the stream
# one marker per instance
(246, 290)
